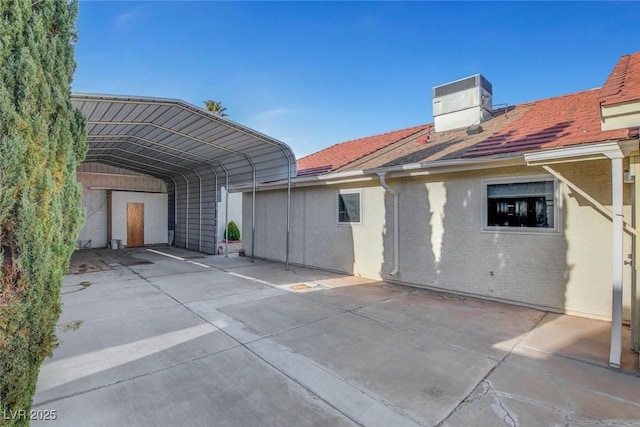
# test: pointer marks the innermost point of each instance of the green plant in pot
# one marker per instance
(232, 232)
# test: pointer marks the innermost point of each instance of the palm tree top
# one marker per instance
(215, 107)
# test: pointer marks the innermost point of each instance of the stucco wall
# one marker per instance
(155, 215)
(316, 238)
(94, 200)
(442, 244)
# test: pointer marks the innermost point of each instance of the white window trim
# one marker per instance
(359, 191)
(558, 209)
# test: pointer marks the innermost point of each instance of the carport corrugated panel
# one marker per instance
(176, 142)
(190, 127)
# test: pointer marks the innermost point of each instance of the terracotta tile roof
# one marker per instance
(553, 122)
(623, 84)
(341, 154)
(429, 145)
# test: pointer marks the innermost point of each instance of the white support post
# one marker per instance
(618, 262)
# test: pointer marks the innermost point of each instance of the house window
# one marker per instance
(350, 207)
(521, 204)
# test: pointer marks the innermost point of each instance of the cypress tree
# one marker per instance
(42, 139)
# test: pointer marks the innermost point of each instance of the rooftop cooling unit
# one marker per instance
(462, 103)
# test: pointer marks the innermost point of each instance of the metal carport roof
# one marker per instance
(194, 151)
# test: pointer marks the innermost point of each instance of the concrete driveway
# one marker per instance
(169, 337)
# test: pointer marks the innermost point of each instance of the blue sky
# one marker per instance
(313, 74)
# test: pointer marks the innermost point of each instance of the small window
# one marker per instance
(350, 207)
(521, 204)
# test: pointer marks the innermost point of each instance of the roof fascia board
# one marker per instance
(413, 169)
(448, 166)
(604, 150)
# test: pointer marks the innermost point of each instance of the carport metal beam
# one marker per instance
(246, 157)
(194, 124)
(120, 138)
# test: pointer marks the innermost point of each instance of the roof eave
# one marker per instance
(595, 151)
(599, 151)
(399, 171)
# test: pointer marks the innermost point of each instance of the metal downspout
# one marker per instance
(286, 264)
(618, 261)
(396, 227)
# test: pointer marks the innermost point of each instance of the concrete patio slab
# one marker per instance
(167, 266)
(231, 388)
(279, 313)
(199, 340)
(485, 327)
(115, 273)
(426, 379)
(188, 287)
(579, 338)
(353, 297)
(113, 349)
(538, 388)
(354, 402)
(115, 301)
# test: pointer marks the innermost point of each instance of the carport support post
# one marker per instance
(199, 211)
(616, 311)
(226, 216)
(175, 209)
(186, 227)
(253, 215)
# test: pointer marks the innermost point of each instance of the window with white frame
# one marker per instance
(350, 207)
(521, 204)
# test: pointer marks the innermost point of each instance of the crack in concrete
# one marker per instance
(485, 389)
(496, 366)
(500, 408)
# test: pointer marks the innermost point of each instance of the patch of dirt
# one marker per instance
(88, 267)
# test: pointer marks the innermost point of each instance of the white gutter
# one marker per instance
(413, 169)
(604, 150)
(396, 227)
